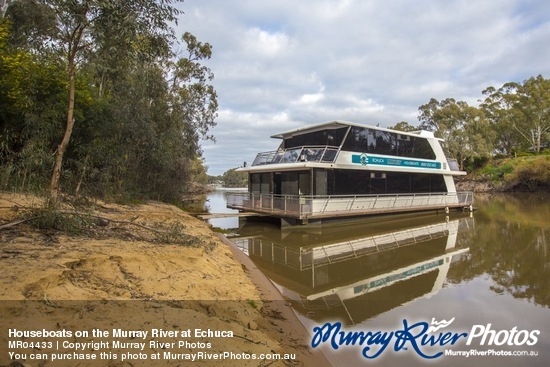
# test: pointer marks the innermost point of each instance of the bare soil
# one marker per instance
(177, 270)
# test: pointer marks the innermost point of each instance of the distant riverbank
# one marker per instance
(529, 173)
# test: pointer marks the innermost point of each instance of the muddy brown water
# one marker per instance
(487, 273)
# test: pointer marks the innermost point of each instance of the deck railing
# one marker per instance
(326, 154)
(307, 257)
(306, 206)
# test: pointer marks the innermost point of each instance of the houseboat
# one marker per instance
(343, 169)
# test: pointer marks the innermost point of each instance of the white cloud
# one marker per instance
(280, 64)
(264, 43)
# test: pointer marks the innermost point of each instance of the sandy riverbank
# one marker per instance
(119, 273)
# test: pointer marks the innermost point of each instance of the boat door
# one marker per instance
(277, 183)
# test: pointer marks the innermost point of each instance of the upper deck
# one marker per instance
(339, 144)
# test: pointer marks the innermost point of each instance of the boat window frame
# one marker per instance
(369, 140)
(316, 138)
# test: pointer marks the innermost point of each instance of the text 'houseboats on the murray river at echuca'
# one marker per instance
(343, 169)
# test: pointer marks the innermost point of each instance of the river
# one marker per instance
(486, 275)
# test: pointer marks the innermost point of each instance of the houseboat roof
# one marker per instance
(336, 124)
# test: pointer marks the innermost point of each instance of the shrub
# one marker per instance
(529, 173)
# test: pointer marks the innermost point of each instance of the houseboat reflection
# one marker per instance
(356, 271)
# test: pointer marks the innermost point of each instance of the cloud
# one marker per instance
(261, 42)
(282, 64)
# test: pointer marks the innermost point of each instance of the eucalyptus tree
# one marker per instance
(32, 99)
(146, 141)
(404, 126)
(534, 105)
(499, 106)
(105, 31)
(464, 128)
(195, 102)
(520, 112)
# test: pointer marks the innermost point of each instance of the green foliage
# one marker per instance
(32, 96)
(50, 219)
(477, 162)
(252, 303)
(232, 178)
(175, 235)
(464, 128)
(522, 173)
(519, 114)
(496, 170)
(529, 173)
(404, 126)
(138, 114)
(512, 120)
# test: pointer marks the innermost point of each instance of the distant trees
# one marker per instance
(232, 178)
(90, 92)
(464, 128)
(520, 112)
(403, 126)
(512, 118)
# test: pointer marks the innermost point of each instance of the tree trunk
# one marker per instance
(77, 190)
(54, 184)
(71, 73)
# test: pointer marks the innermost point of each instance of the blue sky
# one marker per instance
(282, 64)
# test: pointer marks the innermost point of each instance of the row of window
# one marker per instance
(356, 182)
(366, 140)
(345, 182)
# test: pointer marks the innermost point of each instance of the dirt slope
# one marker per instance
(175, 270)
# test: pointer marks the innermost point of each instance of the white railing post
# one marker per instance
(351, 204)
(326, 204)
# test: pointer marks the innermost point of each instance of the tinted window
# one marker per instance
(359, 182)
(386, 143)
(332, 137)
(366, 140)
(398, 182)
(255, 180)
(421, 149)
(357, 140)
(260, 183)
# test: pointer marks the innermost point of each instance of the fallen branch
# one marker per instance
(112, 220)
(13, 224)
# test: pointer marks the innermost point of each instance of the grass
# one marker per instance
(52, 219)
(252, 303)
(528, 172)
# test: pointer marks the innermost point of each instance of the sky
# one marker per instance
(284, 64)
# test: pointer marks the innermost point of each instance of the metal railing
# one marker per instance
(307, 257)
(325, 154)
(306, 206)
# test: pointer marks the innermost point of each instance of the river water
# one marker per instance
(487, 273)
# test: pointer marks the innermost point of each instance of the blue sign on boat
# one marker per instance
(364, 160)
